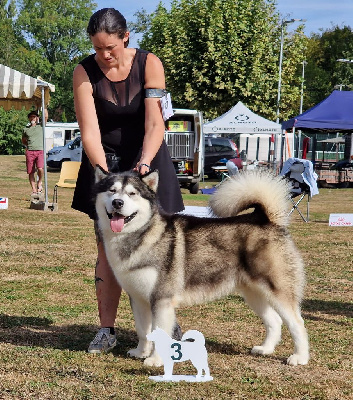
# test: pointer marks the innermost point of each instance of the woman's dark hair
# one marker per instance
(107, 20)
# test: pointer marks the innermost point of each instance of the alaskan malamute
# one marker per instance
(165, 261)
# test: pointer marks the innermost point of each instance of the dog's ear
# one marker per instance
(99, 173)
(151, 180)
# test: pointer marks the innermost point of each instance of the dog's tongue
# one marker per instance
(117, 223)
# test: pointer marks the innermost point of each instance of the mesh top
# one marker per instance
(119, 105)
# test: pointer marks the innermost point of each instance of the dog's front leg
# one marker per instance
(163, 316)
(143, 322)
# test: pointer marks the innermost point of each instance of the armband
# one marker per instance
(157, 93)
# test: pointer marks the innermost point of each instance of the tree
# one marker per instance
(42, 38)
(217, 52)
(11, 127)
(56, 31)
(323, 73)
(14, 50)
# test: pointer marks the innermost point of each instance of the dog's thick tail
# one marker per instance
(195, 336)
(260, 189)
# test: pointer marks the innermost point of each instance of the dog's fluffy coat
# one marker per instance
(165, 261)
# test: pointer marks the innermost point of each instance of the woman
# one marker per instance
(117, 94)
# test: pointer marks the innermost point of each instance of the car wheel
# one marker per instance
(194, 188)
(343, 185)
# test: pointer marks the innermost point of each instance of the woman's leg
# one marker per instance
(108, 290)
(108, 293)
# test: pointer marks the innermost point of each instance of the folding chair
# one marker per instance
(303, 183)
(68, 177)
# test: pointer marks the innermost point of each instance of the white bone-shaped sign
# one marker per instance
(190, 347)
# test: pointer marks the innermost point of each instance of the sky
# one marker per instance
(318, 13)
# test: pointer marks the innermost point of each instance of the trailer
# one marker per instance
(339, 176)
(336, 173)
(186, 143)
(59, 133)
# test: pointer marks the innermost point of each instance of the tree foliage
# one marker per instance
(218, 52)
(11, 127)
(323, 73)
(46, 39)
(56, 31)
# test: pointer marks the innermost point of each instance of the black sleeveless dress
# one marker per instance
(121, 116)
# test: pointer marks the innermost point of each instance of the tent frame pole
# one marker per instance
(44, 146)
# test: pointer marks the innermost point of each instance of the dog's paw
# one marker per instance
(262, 350)
(153, 361)
(137, 353)
(297, 359)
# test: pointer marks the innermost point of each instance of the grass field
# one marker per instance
(48, 313)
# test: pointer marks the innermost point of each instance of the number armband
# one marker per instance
(157, 93)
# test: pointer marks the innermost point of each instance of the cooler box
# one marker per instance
(4, 203)
(179, 126)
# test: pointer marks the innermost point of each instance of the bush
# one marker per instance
(12, 123)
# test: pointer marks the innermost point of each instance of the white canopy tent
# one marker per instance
(254, 131)
(19, 90)
(239, 119)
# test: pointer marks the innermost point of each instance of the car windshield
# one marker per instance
(218, 145)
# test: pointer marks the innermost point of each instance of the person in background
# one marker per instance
(32, 138)
(117, 93)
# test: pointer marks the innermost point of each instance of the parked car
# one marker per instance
(72, 151)
(217, 151)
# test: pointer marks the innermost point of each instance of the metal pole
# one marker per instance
(280, 72)
(345, 60)
(44, 147)
(257, 148)
(283, 23)
(302, 88)
(301, 106)
(275, 153)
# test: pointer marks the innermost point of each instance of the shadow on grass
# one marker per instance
(328, 307)
(40, 332)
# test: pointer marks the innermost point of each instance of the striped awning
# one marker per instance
(19, 90)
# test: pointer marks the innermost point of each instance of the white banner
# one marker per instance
(341, 220)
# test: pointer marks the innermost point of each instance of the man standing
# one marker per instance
(32, 138)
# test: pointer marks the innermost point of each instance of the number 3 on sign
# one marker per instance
(179, 354)
(166, 104)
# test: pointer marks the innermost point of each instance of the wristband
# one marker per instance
(146, 165)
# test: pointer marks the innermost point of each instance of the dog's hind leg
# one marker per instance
(295, 323)
(272, 321)
(143, 323)
(280, 309)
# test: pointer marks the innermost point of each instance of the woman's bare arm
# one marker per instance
(154, 123)
(87, 118)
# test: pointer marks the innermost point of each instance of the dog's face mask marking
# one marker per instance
(121, 205)
(125, 199)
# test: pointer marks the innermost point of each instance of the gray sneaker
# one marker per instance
(103, 342)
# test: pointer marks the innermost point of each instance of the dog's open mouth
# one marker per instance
(118, 221)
